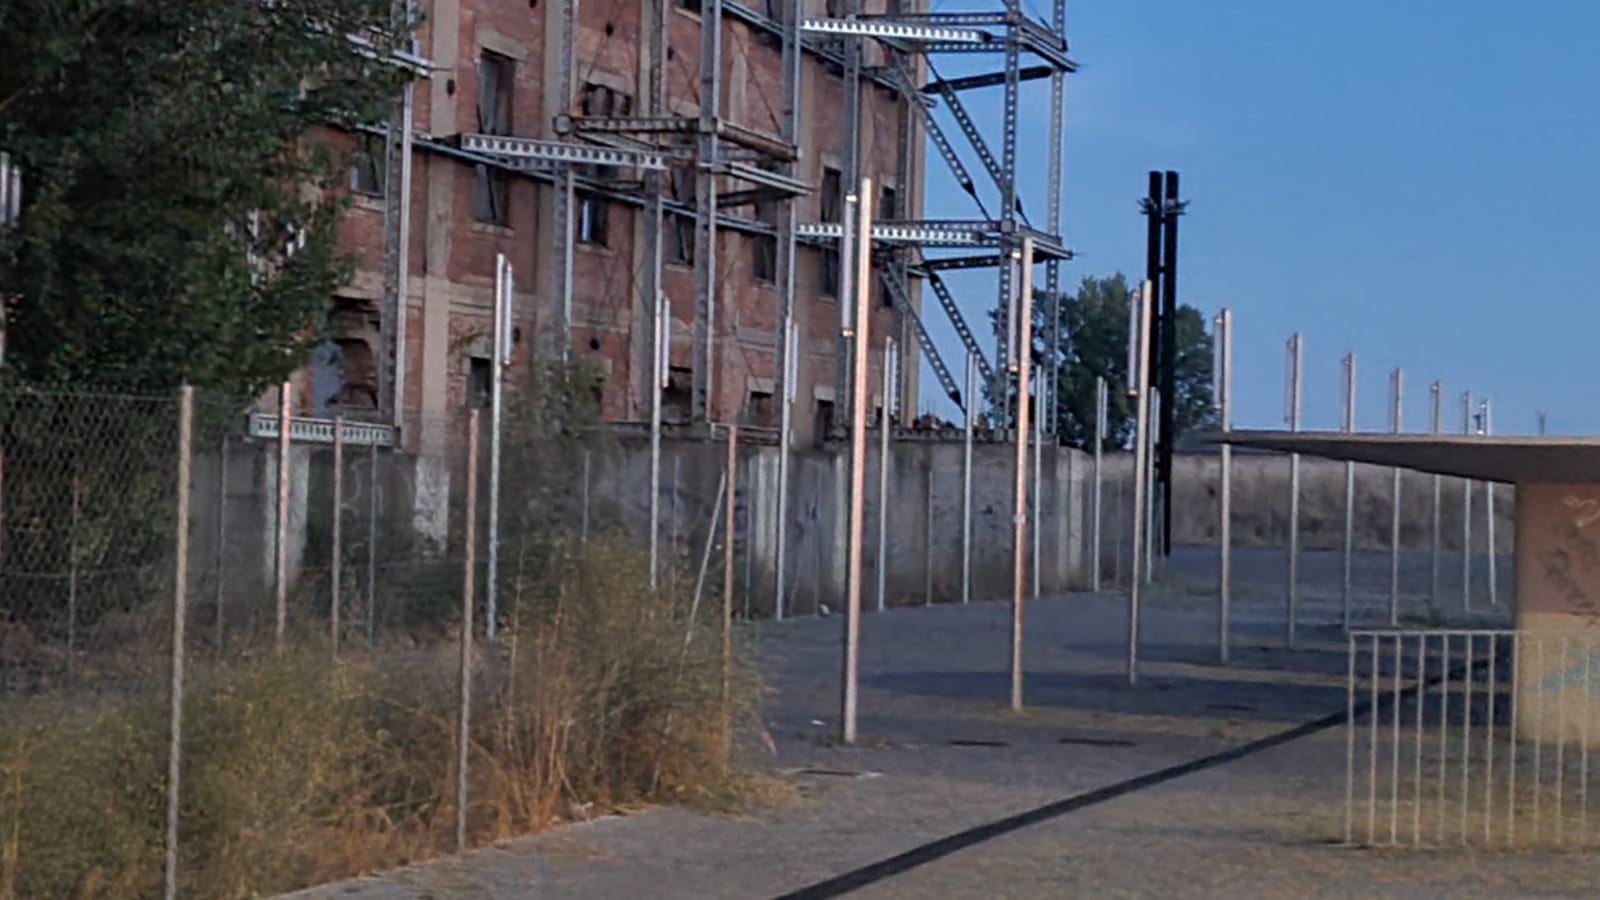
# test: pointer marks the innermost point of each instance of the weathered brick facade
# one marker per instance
(452, 252)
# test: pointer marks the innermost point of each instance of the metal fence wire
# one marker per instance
(1470, 738)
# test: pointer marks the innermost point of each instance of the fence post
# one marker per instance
(220, 587)
(726, 625)
(180, 585)
(280, 574)
(1138, 384)
(1224, 394)
(336, 557)
(885, 426)
(1347, 424)
(72, 573)
(468, 571)
(966, 478)
(1101, 400)
(1296, 360)
(1019, 535)
(1396, 423)
(372, 546)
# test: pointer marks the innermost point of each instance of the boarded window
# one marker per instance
(491, 186)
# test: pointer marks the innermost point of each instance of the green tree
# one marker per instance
(180, 222)
(1094, 344)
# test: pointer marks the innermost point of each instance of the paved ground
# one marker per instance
(953, 795)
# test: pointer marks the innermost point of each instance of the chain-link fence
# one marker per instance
(316, 708)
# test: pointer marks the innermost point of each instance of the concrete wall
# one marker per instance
(1261, 504)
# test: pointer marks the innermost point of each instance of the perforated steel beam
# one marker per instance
(928, 234)
(959, 323)
(516, 148)
(897, 31)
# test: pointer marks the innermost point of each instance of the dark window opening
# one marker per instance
(679, 226)
(825, 423)
(764, 247)
(828, 272)
(593, 219)
(369, 171)
(888, 205)
(832, 209)
(758, 409)
(480, 383)
(675, 397)
(491, 186)
(690, 5)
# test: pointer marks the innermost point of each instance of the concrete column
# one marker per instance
(1558, 612)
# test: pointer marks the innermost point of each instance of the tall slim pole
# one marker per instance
(469, 570)
(725, 627)
(1139, 384)
(180, 616)
(1041, 402)
(336, 561)
(1541, 423)
(659, 358)
(1019, 533)
(1222, 372)
(1152, 535)
(372, 545)
(1466, 511)
(1101, 403)
(885, 426)
(220, 586)
(1347, 424)
(1295, 371)
(785, 441)
(1172, 208)
(971, 399)
(1435, 405)
(858, 458)
(280, 573)
(1396, 422)
(1484, 412)
(502, 362)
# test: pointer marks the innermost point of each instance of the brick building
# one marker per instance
(494, 65)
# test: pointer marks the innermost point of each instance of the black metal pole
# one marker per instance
(1169, 355)
(1152, 264)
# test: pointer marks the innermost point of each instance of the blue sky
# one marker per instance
(1417, 182)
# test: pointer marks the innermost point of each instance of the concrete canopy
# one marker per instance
(1516, 460)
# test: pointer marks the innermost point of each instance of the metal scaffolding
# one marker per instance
(911, 248)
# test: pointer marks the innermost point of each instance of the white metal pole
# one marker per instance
(1466, 511)
(1139, 383)
(502, 359)
(1223, 375)
(1024, 360)
(1435, 396)
(785, 442)
(971, 399)
(1151, 541)
(1488, 512)
(662, 356)
(858, 458)
(1295, 370)
(1041, 403)
(1347, 424)
(1101, 402)
(885, 426)
(1396, 423)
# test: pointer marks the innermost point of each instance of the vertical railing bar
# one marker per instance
(1466, 738)
(1372, 748)
(1488, 748)
(1350, 743)
(1538, 746)
(1422, 681)
(1394, 764)
(1444, 727)
(1561, 743)
(1511, 745)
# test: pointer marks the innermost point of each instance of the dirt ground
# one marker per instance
(951, 794)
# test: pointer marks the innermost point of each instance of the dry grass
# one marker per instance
(297, 769)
